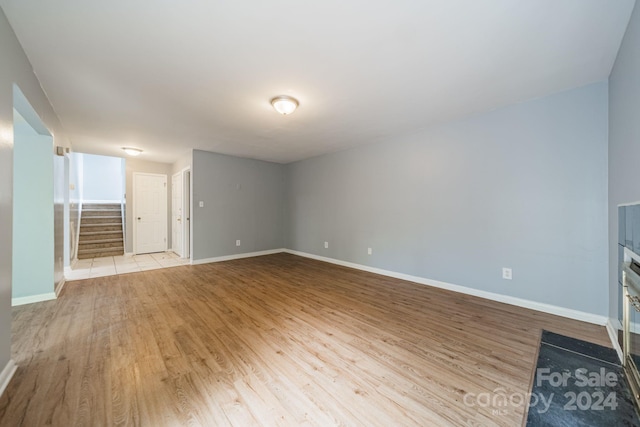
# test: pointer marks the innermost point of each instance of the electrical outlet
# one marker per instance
(369, 251)
(326, 245)
(507, 273)
(201, 204)
(237, 242)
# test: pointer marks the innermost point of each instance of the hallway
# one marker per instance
(112, 265)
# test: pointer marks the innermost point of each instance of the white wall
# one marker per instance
(102, 178)
(183, 162)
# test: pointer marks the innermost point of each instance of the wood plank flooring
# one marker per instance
(274, 340)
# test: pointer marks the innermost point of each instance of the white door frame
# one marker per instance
(135, 216)
(186, 212)
(177, 218)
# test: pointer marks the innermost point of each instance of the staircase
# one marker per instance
(100, 231)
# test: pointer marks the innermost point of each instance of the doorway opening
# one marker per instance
(181, 213)
(97, 201)
(146, 199)
(33, 244)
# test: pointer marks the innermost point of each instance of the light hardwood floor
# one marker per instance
(273, 340)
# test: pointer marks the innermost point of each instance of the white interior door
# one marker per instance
(177, 218)
(150, 213)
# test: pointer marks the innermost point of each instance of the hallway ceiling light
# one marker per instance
(284, 104)
(132, 151)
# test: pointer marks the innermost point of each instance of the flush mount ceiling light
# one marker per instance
(284, 104)
(132, 151)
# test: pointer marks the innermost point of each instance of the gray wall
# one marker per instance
(624, 141)
(143, 166)
(243, 199)
(15, 68)
(522, 187)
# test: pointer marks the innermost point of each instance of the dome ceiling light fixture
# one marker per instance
(132, 151)
(284, 104)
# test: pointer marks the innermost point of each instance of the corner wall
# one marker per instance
(523, 187)
(15, 69)
(243, 200)
(624, 142)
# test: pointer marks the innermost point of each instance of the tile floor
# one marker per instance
(109, 266)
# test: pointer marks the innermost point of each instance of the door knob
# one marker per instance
(139, 218)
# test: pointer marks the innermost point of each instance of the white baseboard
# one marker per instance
(520, 302)
(33, 298)
(613, 326)
(236, 256)
(6, 375)
(59, 286)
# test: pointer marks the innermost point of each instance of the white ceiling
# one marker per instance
(168, 76)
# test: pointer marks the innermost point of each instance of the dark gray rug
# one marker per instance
(577, 383)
